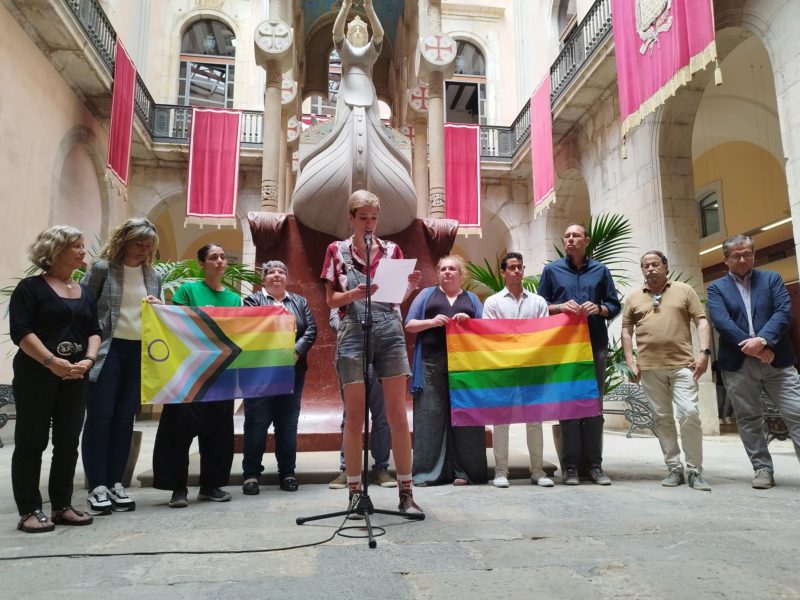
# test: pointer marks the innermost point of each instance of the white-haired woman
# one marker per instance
(120, 278)
(53, 320)
(281, 411)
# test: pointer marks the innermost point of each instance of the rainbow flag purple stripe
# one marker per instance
(521, 370)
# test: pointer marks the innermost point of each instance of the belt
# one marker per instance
(375, 318)
(68, 348)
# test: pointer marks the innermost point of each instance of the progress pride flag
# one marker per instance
(659, 45)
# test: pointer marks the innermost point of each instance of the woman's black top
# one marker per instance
(36, 308)
(434, 340)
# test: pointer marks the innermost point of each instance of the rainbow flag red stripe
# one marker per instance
(521, 370)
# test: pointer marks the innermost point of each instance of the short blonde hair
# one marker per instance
(460, 264)
(361, 199)
(133, 230)
(50, 243)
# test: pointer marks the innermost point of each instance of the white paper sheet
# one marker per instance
(392, 279)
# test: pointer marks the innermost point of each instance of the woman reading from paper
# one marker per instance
(442, 453)
(344, 273)
(210, 422)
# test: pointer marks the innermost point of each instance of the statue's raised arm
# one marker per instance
(377, 28)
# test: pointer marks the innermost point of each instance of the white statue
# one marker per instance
(357, 154)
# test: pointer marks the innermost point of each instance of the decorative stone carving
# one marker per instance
(288, 91)
(436, 200)
(292, 129)
(418, 98)
(266, 228)
(269, 195)
(436, 52)
(441, 235)
(273, 40)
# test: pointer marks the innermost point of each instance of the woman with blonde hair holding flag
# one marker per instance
(119, 279)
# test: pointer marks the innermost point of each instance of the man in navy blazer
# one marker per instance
(751, 311)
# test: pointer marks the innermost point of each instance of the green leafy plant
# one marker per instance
(488, 277)
(610, 242)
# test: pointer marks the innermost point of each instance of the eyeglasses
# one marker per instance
(656, 301)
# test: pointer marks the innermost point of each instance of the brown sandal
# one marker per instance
(40, 517)
(58, 517)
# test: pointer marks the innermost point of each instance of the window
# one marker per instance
(326, 106)
(465, 93)
(567, 20)
(709, 214)
(206, 73)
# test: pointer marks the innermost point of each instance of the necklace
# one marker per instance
(68, 282)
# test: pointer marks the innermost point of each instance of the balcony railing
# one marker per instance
(503, 142)
(171, 123)
(588, 36)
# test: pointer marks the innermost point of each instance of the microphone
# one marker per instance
(368, 239)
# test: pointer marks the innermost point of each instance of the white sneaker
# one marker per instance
(543, 481)
(120, 500)
(99, 503)
(500, 481)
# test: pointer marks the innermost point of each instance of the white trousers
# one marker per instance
(500, 445)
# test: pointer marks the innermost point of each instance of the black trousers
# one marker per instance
(42, 398)
(212, 424)
(582, 439)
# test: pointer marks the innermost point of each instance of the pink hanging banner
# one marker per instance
(462, 179)
(542, 147)
(659, 45)
(121, 129)
(213, 181)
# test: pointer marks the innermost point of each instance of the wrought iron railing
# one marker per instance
(587, 37)
(98, 29)
(171, 123)
(503, 142)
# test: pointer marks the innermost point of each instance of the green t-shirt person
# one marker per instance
(197, 293)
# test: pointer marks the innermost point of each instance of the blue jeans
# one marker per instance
(111, 405)
(380, 436)
(282, 412)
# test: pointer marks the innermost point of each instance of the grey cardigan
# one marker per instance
(105, 280)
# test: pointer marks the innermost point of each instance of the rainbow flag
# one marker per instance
(521, 370)
(205, 353)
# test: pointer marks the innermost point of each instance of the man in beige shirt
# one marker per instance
(660, 313)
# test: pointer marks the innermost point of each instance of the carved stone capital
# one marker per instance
(269, 196)
(273, 41)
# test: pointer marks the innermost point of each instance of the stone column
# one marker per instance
(270, 165)
(436, 192)
(420, 154)
(437, 56)
(273, 51)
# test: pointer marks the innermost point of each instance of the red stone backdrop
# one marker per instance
(282, 237)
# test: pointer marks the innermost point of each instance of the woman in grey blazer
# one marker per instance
(119, 279)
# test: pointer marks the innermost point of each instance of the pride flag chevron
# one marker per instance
(521, 370)
(205, 353)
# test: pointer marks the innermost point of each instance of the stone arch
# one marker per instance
(685, 132)
(572, 205)
(79, 195)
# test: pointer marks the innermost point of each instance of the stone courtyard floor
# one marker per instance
(633, 539)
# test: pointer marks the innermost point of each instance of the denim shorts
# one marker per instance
(389, 354)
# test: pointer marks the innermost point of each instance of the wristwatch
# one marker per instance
(706, 351)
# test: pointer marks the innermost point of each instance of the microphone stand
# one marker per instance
(364, 506)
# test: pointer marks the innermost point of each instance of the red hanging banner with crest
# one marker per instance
(659, 45)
